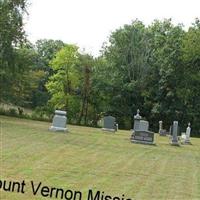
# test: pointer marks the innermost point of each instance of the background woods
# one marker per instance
(155, 68)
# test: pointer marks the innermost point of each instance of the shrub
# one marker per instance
(2, 111)
(12, 112)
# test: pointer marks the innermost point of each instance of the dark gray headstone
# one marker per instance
(109, 124)
(145, 137)
(174, 137)
(163, 132)
(141, 133)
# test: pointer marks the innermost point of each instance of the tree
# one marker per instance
(166, 72)
(26, 81)
(12, 36)
(100, 83)
(46, 51)
(189, 92)
(127, 57)
(63, 83)
(86, 66)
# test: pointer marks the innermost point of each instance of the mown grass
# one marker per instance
(87, 158)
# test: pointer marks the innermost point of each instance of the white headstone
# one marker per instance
(183, 136)
(188, 130)
(160, 126)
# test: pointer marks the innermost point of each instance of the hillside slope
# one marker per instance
(87, 158)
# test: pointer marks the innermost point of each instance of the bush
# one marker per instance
(2, 111)
(36, 115)
(12, 112)
(20, 111)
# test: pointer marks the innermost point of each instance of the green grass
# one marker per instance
(88, 158)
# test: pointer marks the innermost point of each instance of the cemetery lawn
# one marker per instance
(87, 158)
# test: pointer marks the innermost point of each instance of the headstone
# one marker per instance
(162, 131)
(141, 133)
(188, 130)
(186, 138)
(144, 125)
(110, 124)
(170, 130)
(160, 125)
(144, 137)
(137, 119)
(59, 121)
(174, 137)
(116, 127)
(183, 137)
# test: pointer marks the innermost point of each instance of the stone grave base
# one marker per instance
(143, 137)
(174, 142)
(58, 129)
(186, 142)
(142, 142)
(108, 129)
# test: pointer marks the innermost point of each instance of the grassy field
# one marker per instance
(87, 158)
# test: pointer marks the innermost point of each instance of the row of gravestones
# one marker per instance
(60, 121)
(140, 133)
(173, 131)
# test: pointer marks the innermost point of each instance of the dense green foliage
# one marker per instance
(11, 38)
(154, 68)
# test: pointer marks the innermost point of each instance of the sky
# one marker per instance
(89, 23)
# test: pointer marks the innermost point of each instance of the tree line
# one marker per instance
(155, 68)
